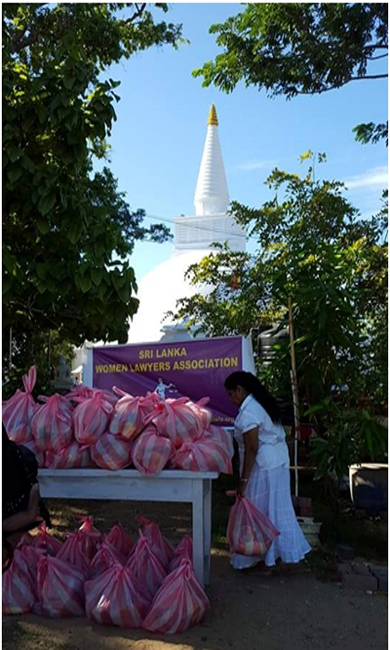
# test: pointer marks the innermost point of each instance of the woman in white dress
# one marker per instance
(264, 468)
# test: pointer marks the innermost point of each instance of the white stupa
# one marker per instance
(194, 236)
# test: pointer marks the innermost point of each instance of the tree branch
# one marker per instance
(324, 90)
(19, 44)
(140, 10)
(375, 46)
(370, 76)
(375, 58)
(45, 314)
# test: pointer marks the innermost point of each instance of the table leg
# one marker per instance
(198, 529)
(207, 492)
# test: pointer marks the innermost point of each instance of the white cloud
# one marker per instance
(372, 178)
(251, 165)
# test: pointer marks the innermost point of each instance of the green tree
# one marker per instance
(25, 348)
(312, 246)
(67, 230)
(301, 48)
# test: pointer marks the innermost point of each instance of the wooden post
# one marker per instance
(294, 388)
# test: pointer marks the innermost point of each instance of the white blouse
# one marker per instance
(273, 450)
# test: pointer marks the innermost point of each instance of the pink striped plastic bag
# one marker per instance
(249, 531)
(105, 557)
(91, 418)
(180, 602)
(90, 537)
(182, 550)
(60, 588)
(176, 419)
(202, 455)
(108, 395)
(79, 393)
(74, 455)
(203, 414)
(222, 436)
(84, 392)
(120, 540)
(52, 425)
(111, 452)
(146, 567)
(149, 403)
(128, 418)
(8, 408)
(73, 552)
(151, 451)
(43, 540)
(18, 411)
(32, 556)
(157, 542)
(19, 593)
(116, 598)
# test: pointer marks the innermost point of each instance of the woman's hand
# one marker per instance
(241, 488)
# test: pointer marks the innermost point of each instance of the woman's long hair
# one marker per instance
(252, 386)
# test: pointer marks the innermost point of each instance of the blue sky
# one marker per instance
(158, 139)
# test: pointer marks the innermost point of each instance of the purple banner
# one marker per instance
(193, 369)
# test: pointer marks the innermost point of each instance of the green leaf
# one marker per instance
(6, 284)
(46, 203)
(41, 112)
(85, 284)
(28, 164)
(101, 211)
(124, 293)
(41, 287)
(9, 260)
(97, 276)
(69, 81)
(41, 271)
(14, 174)
(305, 156)
(51, 285)
(43, 226)
(314, 409)
(99, 248)
(14, 152)
(119, 280)
(102, 291)
(75, 230)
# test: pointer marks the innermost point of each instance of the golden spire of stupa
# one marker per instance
(213, 120)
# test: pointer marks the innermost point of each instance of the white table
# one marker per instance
(130, 485)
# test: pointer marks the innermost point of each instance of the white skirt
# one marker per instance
(269, 491)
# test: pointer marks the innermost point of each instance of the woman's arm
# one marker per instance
(24, 517)
(251, 442)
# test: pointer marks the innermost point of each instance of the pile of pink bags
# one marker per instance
(110, 579)
(176, 433)
(90, 427)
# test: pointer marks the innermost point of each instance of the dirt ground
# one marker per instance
(291, 609)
